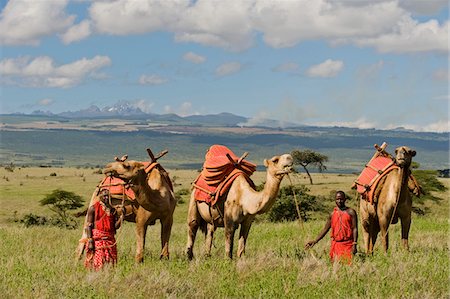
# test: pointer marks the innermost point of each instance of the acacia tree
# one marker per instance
(60, 202)
(308, 157)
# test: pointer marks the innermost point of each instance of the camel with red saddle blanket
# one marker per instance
(146, 192)
(225, 196)
(385, 186)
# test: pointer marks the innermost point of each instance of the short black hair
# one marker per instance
(342, 193)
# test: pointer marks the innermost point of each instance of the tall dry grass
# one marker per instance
(38, 262)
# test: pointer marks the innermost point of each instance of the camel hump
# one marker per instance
(372, 173)
(220, 168)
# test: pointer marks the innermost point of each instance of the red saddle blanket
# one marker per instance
(372, 174)
(218, 173)
(117, 186)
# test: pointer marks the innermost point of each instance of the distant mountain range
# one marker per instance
(129, 111)
(58, 139)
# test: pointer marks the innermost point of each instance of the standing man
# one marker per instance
(102, 222)
(343, 222)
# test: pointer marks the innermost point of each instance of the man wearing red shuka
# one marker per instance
(343, 222)
(102, 222)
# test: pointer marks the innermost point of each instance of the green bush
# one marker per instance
(181, 195)
(60, 202)
(427, 179)
(32, 219)
(285, 208)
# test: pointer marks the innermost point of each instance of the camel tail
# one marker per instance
(202, 225)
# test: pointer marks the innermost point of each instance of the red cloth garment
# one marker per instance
(104, 240)
(341, 235)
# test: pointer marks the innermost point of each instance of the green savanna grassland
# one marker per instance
(39, 261)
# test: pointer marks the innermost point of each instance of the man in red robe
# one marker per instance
(343, 222)
(102, 222)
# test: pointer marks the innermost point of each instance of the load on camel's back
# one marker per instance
(225, 196)
(385, 186)
(145, 191)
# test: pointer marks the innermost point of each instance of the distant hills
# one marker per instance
(93, 136)
(127, 110)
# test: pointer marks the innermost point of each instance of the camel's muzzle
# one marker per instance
(287, 169)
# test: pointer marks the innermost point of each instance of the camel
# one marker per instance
(240, 206)
(394, 201)
(155, 200)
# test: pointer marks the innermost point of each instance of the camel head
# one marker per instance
(125, 170)
(278, 166)
(403, 156)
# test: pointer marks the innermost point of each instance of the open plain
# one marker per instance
(39, 261)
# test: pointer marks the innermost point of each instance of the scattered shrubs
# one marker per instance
(53, 174)
(285, 208)
(32, 219)
(10, 167)
(427, 179)
(181, 194)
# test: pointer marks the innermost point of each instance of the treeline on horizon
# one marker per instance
(346, 152)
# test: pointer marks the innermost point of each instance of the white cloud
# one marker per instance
(288, 67)
(42, 71)
(152, 80)
(440, 126)
(194, 58)
(360, 123)
(387, 25)
(216, 23)
(45, 102)
(184, 109)
(25, 22)
(409, 36)
(125, 17)
(77, 32)
(287, 23)
(424, 7)
(327, 69)
(441, 75)
(228, 69)
(144, 105)
(260, 118)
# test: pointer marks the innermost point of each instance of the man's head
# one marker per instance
(104, 195)
(340, 199)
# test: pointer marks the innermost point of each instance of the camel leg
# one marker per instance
(193, 225)
(406, 224)
(210, 229)
(374, 230)
(230, 229)
(142, 217)
(366, 235)
(166, 228)
(385, 235)
(243, 235)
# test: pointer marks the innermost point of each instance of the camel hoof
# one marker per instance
(189, 254)
(139, 259)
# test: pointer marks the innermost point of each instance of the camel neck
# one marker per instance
(141, 187)
(270, 192)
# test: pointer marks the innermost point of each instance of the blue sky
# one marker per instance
(367, 64)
